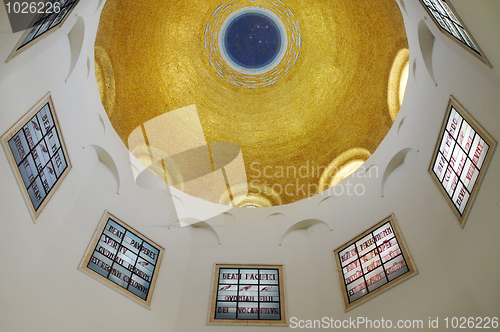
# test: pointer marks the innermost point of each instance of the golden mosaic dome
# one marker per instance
(306, 102)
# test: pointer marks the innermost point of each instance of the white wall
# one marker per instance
(42, 290)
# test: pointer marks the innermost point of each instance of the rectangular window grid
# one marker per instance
(124, 258)
(48, 21)
(38, 154)
(372, 261)
(245, 294)
(460, 158)
(448, 21)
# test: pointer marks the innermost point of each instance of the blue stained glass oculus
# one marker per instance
(252, 45)
(252, 40)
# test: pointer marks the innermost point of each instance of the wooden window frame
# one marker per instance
(477, 53)
(247, 322)
(92, 246)
(47, 99)
(412, 270)
(453, 103)
(17, 49)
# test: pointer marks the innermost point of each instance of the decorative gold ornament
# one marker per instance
(398, 79)
(253, 78)
(333, 98)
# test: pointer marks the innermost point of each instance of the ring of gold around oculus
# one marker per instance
(228, 33)
(277, 63)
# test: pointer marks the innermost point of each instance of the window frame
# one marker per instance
(83, 266)
(18, 126)
(453, 103)
(412, 269)
(18, 49)
(479, 53)
(247, 322)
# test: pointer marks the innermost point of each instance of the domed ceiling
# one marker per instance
(302, 89)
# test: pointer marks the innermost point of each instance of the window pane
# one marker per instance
(48, 21)
(449, 22)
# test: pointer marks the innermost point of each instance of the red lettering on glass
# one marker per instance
(461, 196)
(454, 125)
(468, 144)
(461, 165)
(374, 279)
(354, 277)
(46, 122)
(19, 146)
(470, 172)
(477, 154)
(395, 267)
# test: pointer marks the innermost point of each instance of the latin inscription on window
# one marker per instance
(460, 158)
(248, 294)
(372, 261)
(125, 258)
(38, 153)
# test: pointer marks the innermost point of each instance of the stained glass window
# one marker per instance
(122, 257)
(48, 20)
(460, 158)
(248, 294)
(448, 21)
(372, 262)
(38, 153)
